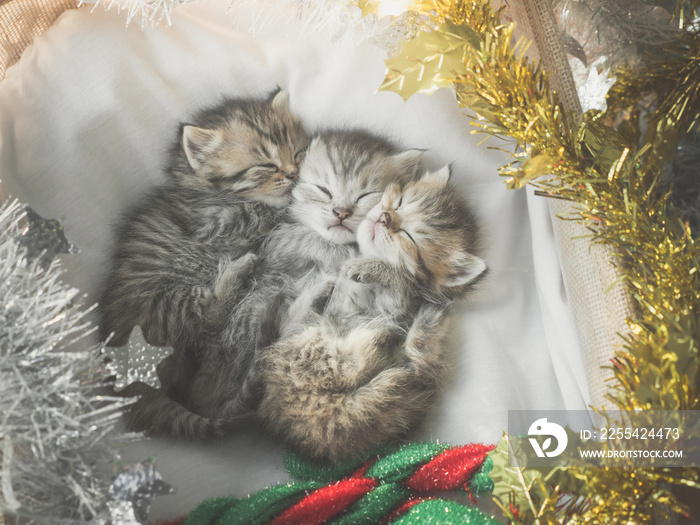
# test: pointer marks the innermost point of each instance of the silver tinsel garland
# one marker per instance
(58, 427)
(348, 21)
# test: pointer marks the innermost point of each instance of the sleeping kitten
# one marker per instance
(185, 249)
(342, 178)
(343, 382)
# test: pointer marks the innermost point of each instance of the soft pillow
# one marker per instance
(88, 113)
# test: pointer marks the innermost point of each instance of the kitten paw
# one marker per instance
(231, 278)
(354, 270)
(243, 266)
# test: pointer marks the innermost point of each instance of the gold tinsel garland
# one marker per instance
(615, 185)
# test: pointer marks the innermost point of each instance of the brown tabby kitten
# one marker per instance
(340, 385)
(183, 253)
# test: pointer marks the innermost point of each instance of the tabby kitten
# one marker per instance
(184, 249)
(342, 178)
(339, 385)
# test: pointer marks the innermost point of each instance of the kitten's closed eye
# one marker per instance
(268, 167)
(366, 195)
(299, 156)
(324, 191)
(409, 236)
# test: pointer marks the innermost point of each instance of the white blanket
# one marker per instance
(88, 113)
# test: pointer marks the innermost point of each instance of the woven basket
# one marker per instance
(600, 303)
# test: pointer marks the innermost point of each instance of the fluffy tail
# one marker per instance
(158, 415)
(352, 403)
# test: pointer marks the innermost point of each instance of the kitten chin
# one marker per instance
(366, 234)
(339, 234)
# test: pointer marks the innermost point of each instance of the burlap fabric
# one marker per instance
(588, 273)
(21, 21)
(600, 303)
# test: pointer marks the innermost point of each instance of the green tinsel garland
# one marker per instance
(396, 487)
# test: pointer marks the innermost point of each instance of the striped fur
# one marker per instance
(184, 255)
(353, 167)
(147, 414)
(177, 251)
(363, 372)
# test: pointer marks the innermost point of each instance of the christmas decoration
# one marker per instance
(592, 84)
(615, 185)
(135, 361)
(620, 32)
(612, 174)
(396, 487)
(43, 238)
(57, 425)
(132, 490)
(335, 17)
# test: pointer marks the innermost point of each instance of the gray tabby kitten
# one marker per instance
(346, 381)
(342, 178)
(185, 249)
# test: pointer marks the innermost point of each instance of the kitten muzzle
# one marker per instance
(385, 219)
(342, 213)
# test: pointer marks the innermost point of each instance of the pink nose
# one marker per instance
(292, 175)
(385, 219)
(342, 213)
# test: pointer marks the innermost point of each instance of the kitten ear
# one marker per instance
(198, 143)
(315, 160)
(464, 269)
(440, 177)
(315, 143)
(409, 161)
(280, 101)
(315, 150)
(405, 164)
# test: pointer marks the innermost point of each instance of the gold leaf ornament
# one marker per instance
(430, 61)
(529, 170)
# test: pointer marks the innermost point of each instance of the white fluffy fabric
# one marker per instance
(88, 113)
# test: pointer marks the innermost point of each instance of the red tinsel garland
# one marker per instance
(381, 490)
